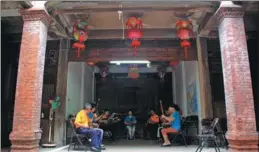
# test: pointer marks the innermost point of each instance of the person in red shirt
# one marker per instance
(151, 125)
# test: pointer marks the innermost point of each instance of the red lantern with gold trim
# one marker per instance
(134, 26)
(184, 32)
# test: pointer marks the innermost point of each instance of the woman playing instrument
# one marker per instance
(175, 124)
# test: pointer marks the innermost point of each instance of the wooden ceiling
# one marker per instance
(104, 23)
(159, 20)
(159, 17)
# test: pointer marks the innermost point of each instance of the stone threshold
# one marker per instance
(57, 149)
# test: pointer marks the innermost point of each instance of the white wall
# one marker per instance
(185, 75)
(179, 88)
(79, 86)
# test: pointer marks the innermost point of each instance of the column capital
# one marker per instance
(229, 10)
(36, 15)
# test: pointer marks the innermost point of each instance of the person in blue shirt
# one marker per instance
(92, 121)
(175, 124)
(130, 122)
(92, 115)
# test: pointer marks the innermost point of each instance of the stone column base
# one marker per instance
(244, 143)
(25, 141)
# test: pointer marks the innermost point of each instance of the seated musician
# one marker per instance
(83, 127)
(92, 119)
(130, 122)
(107, 125)
(175, 124)
(164, 125)
(151, 125)
(177, 108)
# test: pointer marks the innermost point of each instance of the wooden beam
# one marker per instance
(133, 9)
(61, 91)
(204, 79)
(207, 25)
(152, 54)
(10, 12)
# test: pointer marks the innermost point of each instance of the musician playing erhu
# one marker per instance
(175, 124)
(93, 120)
(108, 126)
(92, 117)
(152, 125)
(130, 122)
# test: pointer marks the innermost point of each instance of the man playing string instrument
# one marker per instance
(83, 127)
(175, 124)
(105, 124)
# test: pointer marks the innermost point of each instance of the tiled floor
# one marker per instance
(135, 146)
(148, 146)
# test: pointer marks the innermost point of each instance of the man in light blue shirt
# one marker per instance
(130, 122)
(175, 124)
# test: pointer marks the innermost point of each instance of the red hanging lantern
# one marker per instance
(80, 35)
(174, 64)
(184, 32)
(134, 32)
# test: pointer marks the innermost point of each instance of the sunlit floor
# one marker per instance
(147, 146)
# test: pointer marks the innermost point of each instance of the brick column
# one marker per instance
(242, 134)
(26, 131)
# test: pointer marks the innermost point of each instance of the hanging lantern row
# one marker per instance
(134, 32)
(184, 32)
(80, 35)
(174, 64)
(104, 71)
(133, 72)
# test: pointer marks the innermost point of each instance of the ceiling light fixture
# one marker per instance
(130, 62)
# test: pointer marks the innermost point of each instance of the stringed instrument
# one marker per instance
(164, 121)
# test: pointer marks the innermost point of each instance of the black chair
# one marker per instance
(220, 133)
(181, 134)
(78, 139)
(191, 123)
(209, 136)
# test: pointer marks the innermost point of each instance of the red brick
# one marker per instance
(26, 131)
(242, 134)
